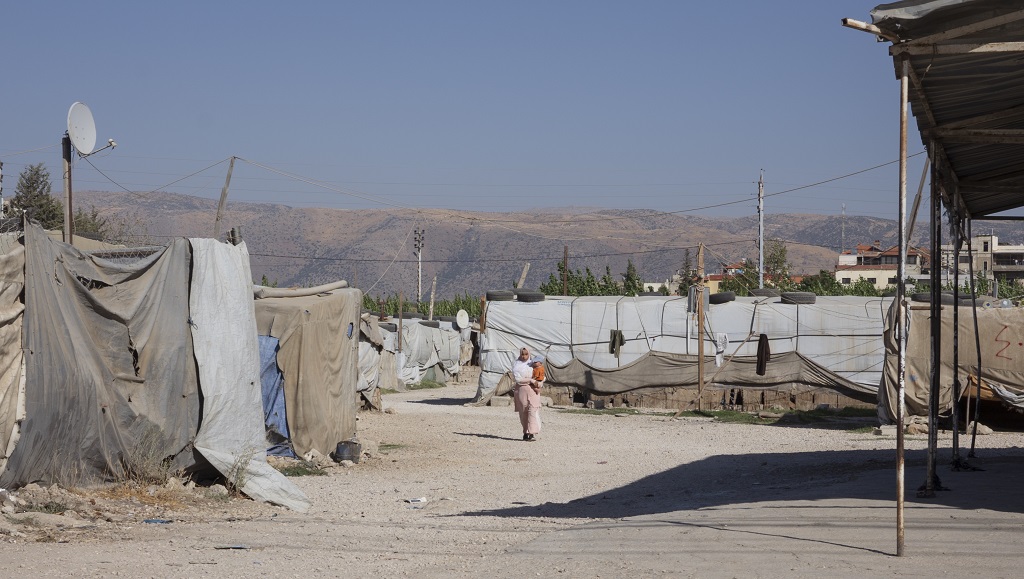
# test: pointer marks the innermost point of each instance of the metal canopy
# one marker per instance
(966, 93)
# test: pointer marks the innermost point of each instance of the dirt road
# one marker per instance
(454, 491)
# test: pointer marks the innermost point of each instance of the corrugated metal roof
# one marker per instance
(966, 92)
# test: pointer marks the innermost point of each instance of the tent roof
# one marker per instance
(966, 92)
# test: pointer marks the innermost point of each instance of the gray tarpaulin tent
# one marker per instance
(835, 343)
(111, 359)
(426, 353)
(318, 355)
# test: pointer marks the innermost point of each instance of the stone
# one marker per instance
(982, 429)
(371, 448)
(217, 490)
(915, 428)
(390, 411)
(500, 401)
(885, 430)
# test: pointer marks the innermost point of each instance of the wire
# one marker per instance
(142, 195)
(388, 268)
(31, 150)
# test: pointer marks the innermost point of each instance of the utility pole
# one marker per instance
(223, 199)
(418, 245)
(842, 236)
(760, 230)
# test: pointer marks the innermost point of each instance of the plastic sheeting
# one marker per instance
(223, 324)
(12, 282)
(319, 357)
(834, 343)
(110, 375)
(424, 349)
(1002, 333)
(275, 417)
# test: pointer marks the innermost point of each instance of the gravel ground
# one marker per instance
(454, 491)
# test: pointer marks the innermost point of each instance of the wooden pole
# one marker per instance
(401, 303)
(433, 288)
(565, 271)
(69, 231)
(522, 278)
(223, 199)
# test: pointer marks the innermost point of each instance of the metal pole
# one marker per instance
(700, 324)
(69, 230)
(760, 230)
(401, 303)
(956, 342)
(901, 312)
(936, 333)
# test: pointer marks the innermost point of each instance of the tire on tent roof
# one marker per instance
(798, 297)
(926, 297)
(764, 292)
(722, 297)
(447, 319)
(500, 295)
(530, 296)
(388, 326)
(431, 323)
(412, 315)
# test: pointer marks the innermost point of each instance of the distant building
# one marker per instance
(878, 266)
(990, 259)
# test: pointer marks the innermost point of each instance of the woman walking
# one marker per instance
(527, 394)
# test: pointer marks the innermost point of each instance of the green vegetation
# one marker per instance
(49, 507)
(585, 283)
(301, 468)
(450, 307)
(426, 385)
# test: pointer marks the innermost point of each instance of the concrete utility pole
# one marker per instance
(522, 278)
(418, 245)
(223, 199)
(760, 230)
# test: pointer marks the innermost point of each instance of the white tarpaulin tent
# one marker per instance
(609, 345)
(426, 352)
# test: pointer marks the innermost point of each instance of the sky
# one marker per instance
(480, 105)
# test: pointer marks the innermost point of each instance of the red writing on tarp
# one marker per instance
(999, 354)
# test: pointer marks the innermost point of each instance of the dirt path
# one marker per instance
(606, 495)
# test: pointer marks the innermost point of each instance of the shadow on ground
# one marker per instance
(738, 479)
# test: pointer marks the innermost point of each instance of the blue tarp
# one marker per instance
(272, 385)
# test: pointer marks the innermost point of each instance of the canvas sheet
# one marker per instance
(12, 282)
(1002, 334)
(319, 357)
(110, 375)
(837, 339)
(231, 436)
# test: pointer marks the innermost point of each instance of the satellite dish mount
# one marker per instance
(81, 135)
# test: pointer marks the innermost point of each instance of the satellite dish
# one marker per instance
(462, 319)
(81, 128)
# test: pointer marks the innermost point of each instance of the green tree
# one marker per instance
(32, 196)
(863, 287)
(824, 283)
(632, 283)
(663, 289)
(607, 285)
(90, 223)
(776, 265)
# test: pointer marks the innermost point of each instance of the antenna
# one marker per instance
(81, 134)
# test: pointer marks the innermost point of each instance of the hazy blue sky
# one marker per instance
(484, 105)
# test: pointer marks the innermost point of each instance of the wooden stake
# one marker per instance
(522, 278)
(433, 288)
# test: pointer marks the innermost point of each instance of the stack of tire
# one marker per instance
(520, 295)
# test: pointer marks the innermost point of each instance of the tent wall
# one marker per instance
(231, 436)
(834, 343)
(1002, 333)
(109, 364)
(319, 357)
(12, 282)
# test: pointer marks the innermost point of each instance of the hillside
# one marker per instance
(472, 251)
